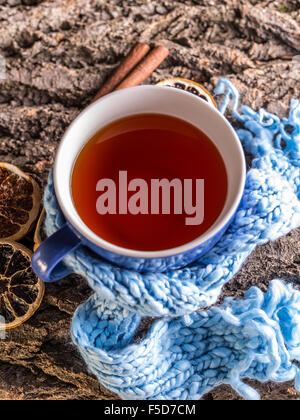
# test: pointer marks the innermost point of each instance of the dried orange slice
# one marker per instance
(19, 202)
(21, 291)
(189, 86)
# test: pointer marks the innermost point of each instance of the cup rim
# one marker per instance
(90, 236)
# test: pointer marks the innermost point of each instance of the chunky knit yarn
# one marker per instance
(185, 357)
(188, 353)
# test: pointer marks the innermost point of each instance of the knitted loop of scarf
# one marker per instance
(188, 353)
(184, 358)
(270, 208)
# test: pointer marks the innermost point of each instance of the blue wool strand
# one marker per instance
(257, 337)
(270, 208)
(188, 353)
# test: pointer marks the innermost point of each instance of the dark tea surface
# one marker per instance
(147, 147)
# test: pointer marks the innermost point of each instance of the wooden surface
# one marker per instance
(58, 53)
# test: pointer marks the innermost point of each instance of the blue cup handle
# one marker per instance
(46, 259)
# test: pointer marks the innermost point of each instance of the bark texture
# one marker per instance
(58, 53)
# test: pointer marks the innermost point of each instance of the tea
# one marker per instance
(149, 182)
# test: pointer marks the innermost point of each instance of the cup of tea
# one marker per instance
(148, 178)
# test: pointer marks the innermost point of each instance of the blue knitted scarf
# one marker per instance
(187, 353)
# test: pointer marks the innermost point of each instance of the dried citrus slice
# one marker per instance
(189, 86)
(19, 202)
(21, 291)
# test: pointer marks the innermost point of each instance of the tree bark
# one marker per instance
(58, 53)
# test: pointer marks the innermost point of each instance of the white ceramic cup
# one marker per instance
(120, 104)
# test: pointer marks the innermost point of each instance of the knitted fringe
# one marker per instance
(184, 358)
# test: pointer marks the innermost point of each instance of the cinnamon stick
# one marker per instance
(145, 68)
(132, 59)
